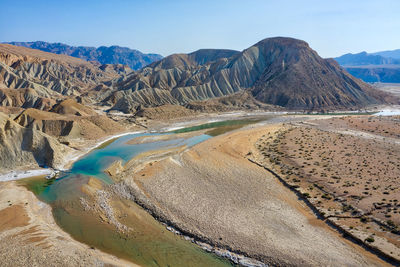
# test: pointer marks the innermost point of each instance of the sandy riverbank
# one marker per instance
(29, 235)
(20, 174)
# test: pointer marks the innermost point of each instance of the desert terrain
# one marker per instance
(230, 163)
(228, 203)
(347, 168)
(223, 199)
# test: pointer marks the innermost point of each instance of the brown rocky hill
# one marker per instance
(242, 100)
(276, 71)
(41, 123)
(298, 78)
(51, 75)
(279, 71)
(197, 58)
(24, 98)
(71, 107)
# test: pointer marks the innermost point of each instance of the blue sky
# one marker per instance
(330, 27)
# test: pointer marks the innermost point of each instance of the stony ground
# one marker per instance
(348, 168)
(215, 192)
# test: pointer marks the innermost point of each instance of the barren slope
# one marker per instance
(279, 71)
(91, 126)
(50, 75)
(28, 147)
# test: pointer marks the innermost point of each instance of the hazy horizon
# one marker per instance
(332, 29)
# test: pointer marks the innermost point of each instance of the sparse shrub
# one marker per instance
(390, 223)
(370, 239)
(326, 196)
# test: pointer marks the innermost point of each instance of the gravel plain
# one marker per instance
(213, 192)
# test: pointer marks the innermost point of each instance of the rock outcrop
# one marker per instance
(242, 100)
(24, 98)
(73, 126)
(20, 146)
(71, 107)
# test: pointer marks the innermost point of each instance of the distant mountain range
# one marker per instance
(364, 58)
(103, 54)
(373, 67)
(391, 54)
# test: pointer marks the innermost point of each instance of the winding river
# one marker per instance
(148, 243)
